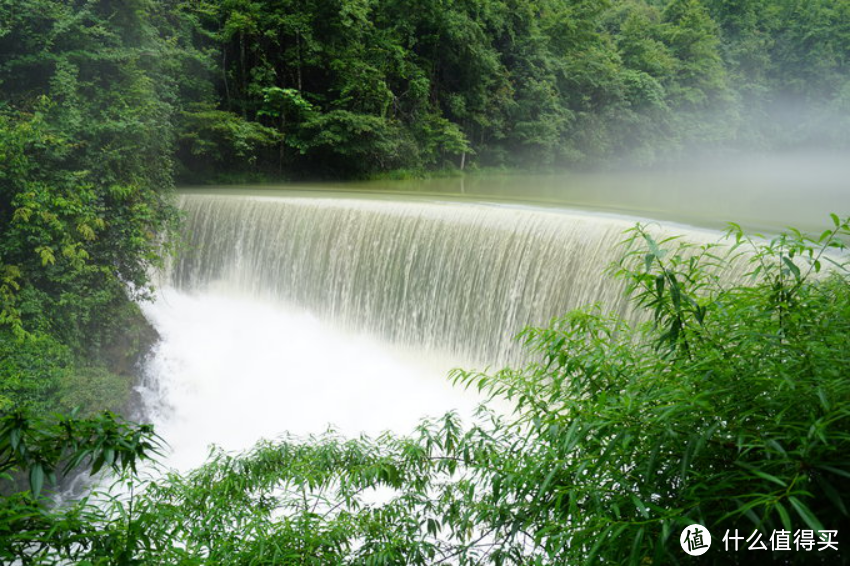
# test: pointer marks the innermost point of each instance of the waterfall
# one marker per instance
(444, 276)
(291, 313)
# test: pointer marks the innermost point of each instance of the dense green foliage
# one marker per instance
(86, 142)
(43, 449)
(358, 86)
(730, 407)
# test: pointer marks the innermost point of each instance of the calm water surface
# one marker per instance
(762, 193)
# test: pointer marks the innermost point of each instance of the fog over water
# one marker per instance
(758, 191)
(296, 307)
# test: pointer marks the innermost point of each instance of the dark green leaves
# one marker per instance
(32, 528)
(36, 479)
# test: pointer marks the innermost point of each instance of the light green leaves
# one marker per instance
(46, 255)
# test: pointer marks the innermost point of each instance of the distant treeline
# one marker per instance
(353, 87)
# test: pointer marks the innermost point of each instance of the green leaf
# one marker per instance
(36, 479)
(784, 517)
(835, 470)
(806, 514)
(792, 266)
(648, 260)
(761, 474)
(833, 494)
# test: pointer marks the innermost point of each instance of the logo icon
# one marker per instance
(695, 539)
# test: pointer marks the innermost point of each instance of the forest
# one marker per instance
(107, 105)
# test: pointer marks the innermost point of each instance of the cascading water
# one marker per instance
(445, 276)
(290, 313)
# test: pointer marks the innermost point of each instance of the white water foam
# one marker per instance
(232, 370)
